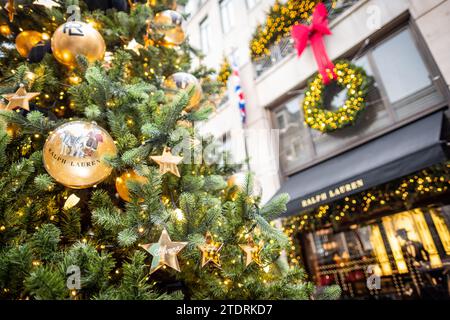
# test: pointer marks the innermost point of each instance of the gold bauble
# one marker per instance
(5, 30)
(26, 40)
(11, 129)
(77, 38)
(170, 23)
(237, 181)
(73, 154)
(122, 187)
(182, 81)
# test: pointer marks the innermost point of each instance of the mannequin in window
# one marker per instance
(416, 257)
(413, 250)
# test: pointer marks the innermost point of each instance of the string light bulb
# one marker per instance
(179, 214)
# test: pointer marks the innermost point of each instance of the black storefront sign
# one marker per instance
(406, 150)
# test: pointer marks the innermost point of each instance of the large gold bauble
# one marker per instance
(122, 187)
(77, 38)
(237, 181)
(182, 81)
(73, 154)
(170, 23)
(26, 40)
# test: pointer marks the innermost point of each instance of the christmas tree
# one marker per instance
(103, 194)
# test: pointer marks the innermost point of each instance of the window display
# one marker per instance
(407, 250)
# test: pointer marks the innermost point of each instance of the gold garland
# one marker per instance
(279, 21)
(224, 72)
(349, 76)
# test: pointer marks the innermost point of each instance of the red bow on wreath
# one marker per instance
(314, 33)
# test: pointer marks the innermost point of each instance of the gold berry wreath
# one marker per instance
(350, 77)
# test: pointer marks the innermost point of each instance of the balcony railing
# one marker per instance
(286, 45)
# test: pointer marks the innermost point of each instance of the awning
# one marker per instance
(392, 156)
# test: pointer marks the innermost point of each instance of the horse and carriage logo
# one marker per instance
(81, 146)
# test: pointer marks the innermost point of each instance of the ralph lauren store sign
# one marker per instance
(340, 191)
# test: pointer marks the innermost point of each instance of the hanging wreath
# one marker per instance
(349, 77)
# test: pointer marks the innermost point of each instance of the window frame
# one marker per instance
(205, 22)
(224, 8)
(437, 82)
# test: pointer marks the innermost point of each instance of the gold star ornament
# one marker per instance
(135, 46)
(11, 9)
(168, 162)
(210, 251)
(252, 252)
(49, 4)
(164, 252)
(20, 99)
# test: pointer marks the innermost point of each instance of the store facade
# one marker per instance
(370, 203)
(352, 189)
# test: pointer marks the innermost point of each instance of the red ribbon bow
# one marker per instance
(314, 33)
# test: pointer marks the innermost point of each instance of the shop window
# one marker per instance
(409, 235)
(406, 79)
(338, 249)
(441, 220)
(294, 144)
(403, 249)
(401, 67)
(376, 240)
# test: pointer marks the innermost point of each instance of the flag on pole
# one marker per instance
(239, 93)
